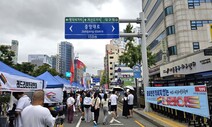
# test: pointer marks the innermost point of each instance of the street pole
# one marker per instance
(144, 59)
(137, 94)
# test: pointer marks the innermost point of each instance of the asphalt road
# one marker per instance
(121, 121)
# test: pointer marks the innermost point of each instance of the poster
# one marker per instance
(54, 95)
(191, 99)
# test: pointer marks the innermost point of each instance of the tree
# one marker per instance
(132, 54)
(25, 67)
(103, 79)
(44, 68)
(6, 55)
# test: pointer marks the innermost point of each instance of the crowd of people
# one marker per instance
(88, 103)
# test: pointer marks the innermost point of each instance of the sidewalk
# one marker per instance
(159, 119)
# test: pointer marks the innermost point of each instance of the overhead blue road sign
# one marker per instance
(91, 27)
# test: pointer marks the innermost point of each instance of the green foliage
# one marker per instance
(25, 67)
(132, 54)
(6, 55)
(44, 68)
(103, 79)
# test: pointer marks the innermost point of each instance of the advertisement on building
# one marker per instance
(191, 99)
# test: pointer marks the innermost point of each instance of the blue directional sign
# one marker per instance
(91, 27)
(137, 71)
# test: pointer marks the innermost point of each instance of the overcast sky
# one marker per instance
(38, 25)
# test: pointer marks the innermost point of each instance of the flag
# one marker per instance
(72, 72)
(3, 79)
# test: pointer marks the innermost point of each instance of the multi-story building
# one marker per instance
(14, 48)
(176, 28)
(39, 59)
(113, 51)
(54, 62)
(66, 56)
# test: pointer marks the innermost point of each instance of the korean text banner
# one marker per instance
(191, 99)
(53, 95)
(10, 82)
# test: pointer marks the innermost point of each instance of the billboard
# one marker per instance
(191, 99)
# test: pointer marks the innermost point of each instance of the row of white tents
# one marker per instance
(16, 81)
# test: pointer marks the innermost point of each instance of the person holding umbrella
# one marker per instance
(130, 102)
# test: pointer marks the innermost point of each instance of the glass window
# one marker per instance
(170, 30)
(196, 46)
(111, 57)
(172, 50)
(168, 10)
(158, 56)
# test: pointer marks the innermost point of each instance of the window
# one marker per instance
(168, 10)
(172, 50)
(196, 46)
(110, 62)
(193, 3)
(111, 68)
(116, 76)
(170, 30)
(111, 73)
(111, 57)
(199, 23)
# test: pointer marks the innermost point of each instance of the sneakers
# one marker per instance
(94, 122)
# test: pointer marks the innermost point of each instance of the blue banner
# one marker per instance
(191, 99)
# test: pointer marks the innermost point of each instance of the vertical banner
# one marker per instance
(191, 99)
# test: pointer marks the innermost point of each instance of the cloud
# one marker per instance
(38, 25)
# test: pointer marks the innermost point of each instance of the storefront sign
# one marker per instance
(192, 64)
(191, 99)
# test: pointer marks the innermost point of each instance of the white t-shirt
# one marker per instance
(87, 101)
(105, 102)
(113, 99)
(22, 103)
(130, 99)
(37, 116)
(70, 101)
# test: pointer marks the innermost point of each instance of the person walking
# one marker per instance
(125, 111)
(87, 107)
(36, 115)
(113, 100)
(104, 102)
(96, 103)
(130, 102)
(70, 104)
(23, 102)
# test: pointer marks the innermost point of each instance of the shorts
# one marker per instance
(113, 107)
(130, 107)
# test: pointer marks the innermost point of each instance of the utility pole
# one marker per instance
(142, 34)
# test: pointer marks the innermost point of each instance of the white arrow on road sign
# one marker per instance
(113, 28)
(70, 28)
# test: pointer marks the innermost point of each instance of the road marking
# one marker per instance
(141, 125)
(117, 121)
(79, 122)
(119, 109)
(117, 124)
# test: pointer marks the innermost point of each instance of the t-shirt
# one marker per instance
(130, 99)
(105, 102)
(37, 116)
(87, 101)
(70, 101)
(113, 99)
(22, 103)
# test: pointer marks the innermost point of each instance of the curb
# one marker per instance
(150, 119)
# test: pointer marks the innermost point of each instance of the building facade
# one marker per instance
(14, 48)
(66, 56)
(39, 59)
(113, 51)
(176, 28)
(54, 62)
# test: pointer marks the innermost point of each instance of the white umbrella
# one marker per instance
(129, 87)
